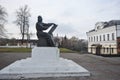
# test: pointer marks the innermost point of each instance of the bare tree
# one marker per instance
(74, 43)
(22, 20)
(3, 15)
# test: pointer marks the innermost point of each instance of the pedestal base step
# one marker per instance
(41, 75)
(36, 67)
(64, 68)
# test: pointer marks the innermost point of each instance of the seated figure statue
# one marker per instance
(45, 38)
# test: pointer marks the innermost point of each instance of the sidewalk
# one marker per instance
(101, 68)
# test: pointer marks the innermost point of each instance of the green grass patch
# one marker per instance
(15, 49)
(62, 50)
(65, 50)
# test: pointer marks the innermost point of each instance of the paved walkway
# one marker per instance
(101, 68)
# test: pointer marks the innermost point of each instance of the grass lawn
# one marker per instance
(65, 50)
(15, 49)
(62, 50)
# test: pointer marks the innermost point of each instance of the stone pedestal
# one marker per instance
(45, 55)
(45, 62)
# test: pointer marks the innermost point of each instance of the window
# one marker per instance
(97, 38)
(112, 50)
(113, 37)
(94, 38)
(91, 39)
(103, 49)
(103, 37)
(100, 37)
(107, 50)
(108, 37)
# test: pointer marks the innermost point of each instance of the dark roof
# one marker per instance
(112, 23)
(92, 30)
(109, 24)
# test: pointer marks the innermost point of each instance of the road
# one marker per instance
(101, 68)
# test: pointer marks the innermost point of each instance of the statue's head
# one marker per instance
(39, 19)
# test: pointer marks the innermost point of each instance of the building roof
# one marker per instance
(92, 30)
(106, 24)
(114, 22)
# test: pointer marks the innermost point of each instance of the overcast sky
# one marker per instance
(74, 17)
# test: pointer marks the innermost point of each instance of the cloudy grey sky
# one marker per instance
(74, 17)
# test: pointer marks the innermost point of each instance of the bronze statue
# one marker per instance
(45, 38)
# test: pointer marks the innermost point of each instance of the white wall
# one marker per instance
(102, 32)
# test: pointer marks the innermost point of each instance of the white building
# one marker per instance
(105, 38)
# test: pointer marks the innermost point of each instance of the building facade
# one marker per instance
(105, 38)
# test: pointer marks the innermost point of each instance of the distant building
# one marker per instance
(4, 42)
(105, 38)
